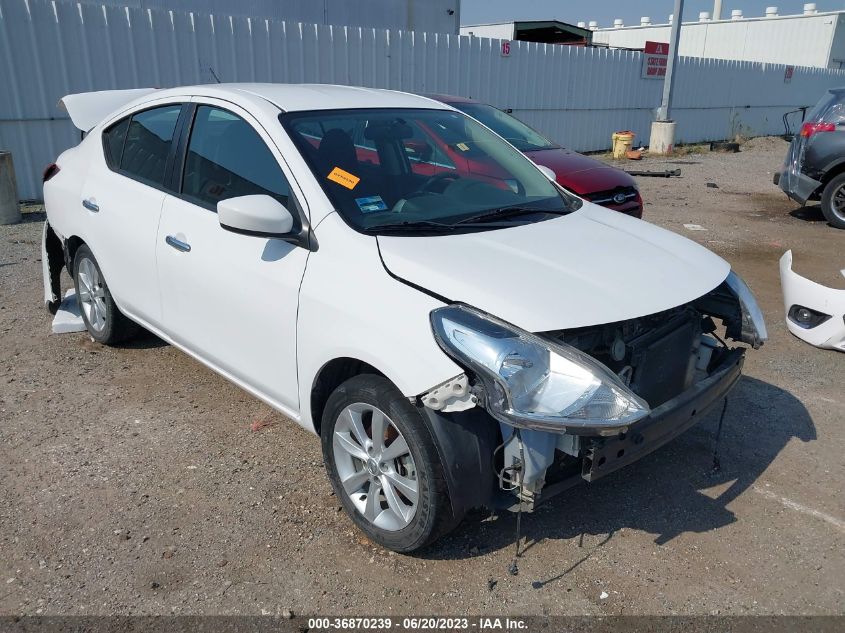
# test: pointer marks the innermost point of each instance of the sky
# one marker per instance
(605, 11)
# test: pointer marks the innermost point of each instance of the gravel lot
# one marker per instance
(133, 481)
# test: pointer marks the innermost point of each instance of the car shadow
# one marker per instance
(809, 214)
(673, 491)
(144, 339)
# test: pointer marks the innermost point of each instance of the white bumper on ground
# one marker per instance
(799, 291)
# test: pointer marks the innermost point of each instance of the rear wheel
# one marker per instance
(105, 322)
(383, 464)
(833, 201)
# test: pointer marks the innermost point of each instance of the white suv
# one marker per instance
(458, 329)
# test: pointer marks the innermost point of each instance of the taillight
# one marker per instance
(808, 129)
(52, 170)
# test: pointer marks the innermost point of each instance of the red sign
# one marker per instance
(787, 74)
(655, 58)
(506, 48)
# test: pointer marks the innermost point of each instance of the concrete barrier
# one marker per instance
(10, 211)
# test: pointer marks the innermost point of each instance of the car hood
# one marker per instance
(590, 267)
(579, 173)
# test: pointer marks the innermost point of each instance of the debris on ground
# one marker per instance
(724, 146)
(666, 173)
(712, 185)
(694, 227)
(260, 424)
(68, 318)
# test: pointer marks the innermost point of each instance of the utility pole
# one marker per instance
(662, 139)
(663, 113)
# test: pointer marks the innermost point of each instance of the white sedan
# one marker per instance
(399, 280)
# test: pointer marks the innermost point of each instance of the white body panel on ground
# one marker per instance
(798, 290)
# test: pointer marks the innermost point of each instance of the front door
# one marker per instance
(231, 299)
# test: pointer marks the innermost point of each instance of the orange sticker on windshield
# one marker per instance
(343, 178)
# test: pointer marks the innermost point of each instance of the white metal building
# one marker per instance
(431, 16)
(810, 39)
(541, 31)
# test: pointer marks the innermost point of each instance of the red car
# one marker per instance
(589, 178)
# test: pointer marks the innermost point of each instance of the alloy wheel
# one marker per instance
(375, 466)
(837, 203)
(92, 295)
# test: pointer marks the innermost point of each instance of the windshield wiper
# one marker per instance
(423, 226)
(409, 226)
(506, 212)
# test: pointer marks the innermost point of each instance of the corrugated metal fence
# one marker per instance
(576, 96)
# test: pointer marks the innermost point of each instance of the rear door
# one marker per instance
(231, 299)
(123, 195)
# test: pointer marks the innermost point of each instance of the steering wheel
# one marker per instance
(446, 175)
(424, 190)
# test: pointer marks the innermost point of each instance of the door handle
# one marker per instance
(179, 245)
(91, 205)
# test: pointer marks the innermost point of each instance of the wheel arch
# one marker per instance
(465, 440)
(71, 246)
(330, 376)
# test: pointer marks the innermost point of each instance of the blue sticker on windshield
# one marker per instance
(370, 204)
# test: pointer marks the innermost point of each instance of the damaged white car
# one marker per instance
(458, 330)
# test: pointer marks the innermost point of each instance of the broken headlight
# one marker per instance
(753, 326)
(534, 383)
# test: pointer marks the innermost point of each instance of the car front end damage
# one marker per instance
(575, 405)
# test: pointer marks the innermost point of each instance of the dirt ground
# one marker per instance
(133, 483)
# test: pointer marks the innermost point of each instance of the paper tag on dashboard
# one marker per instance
(370, 204)
(343, 178)
(463, 147)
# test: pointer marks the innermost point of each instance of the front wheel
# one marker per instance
(383, 464)
(833, 202)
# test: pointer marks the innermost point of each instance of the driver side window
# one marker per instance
(227, 158)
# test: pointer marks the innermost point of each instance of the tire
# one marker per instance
(105, 322)
(393, 517)
(833, 202)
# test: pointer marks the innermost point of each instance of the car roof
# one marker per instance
(298, 97)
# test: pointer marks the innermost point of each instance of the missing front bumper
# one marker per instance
(665, 422)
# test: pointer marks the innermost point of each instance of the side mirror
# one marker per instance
(548, 173)
(258, 215)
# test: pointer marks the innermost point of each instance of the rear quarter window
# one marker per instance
(113, 139)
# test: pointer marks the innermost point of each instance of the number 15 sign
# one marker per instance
(506, 48)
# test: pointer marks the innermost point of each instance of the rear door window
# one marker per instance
(148, 141)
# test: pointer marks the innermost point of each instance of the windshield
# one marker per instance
(513, 130)
(387, 170)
